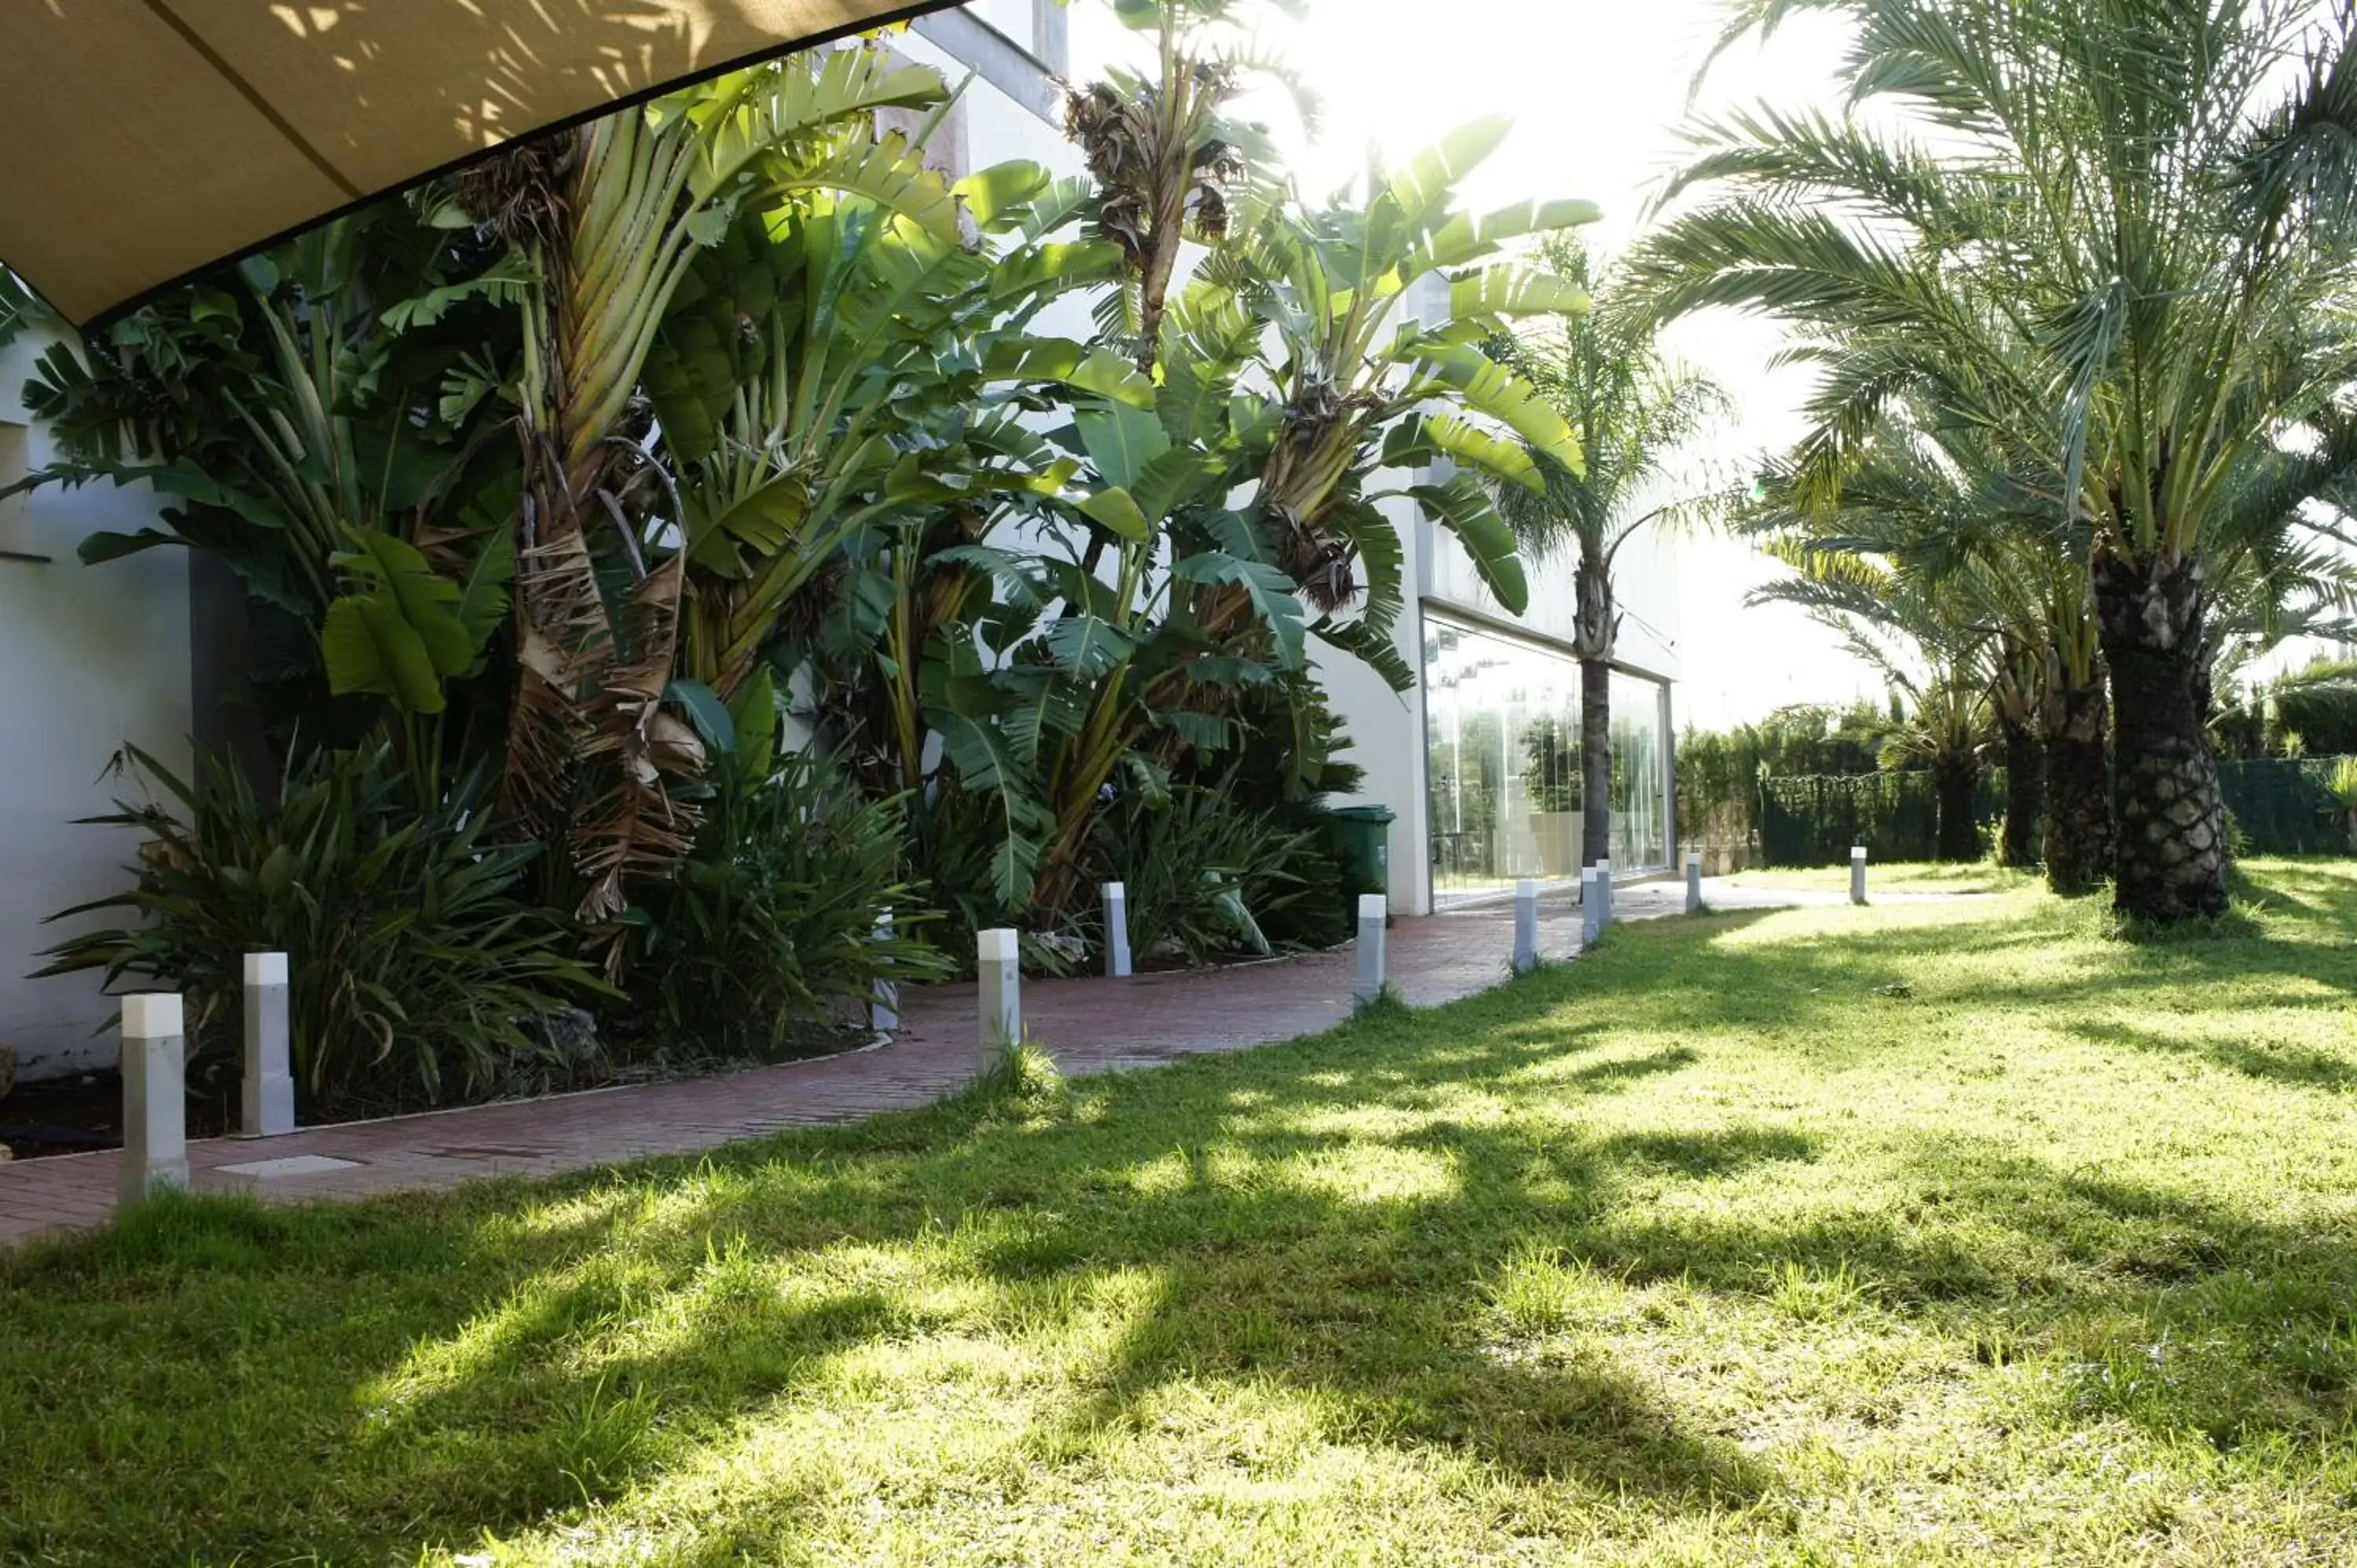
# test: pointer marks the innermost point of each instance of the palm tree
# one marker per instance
(2110, 230)
(1938, 532)
(1635, 412)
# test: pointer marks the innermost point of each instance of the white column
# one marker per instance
(1604, 891)
(1001, 957)
(1693, 882)
(268, 1099)
(1591, 907)
(154, 1097)
(1116, 925)
(1374, 914)
(1857, 874)
(1526, 927)
(884, 1003)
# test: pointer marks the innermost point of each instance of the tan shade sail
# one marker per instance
(145, 140)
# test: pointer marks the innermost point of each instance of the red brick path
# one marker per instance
(1089, 1026)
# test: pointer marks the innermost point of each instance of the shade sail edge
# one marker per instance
(100, 231)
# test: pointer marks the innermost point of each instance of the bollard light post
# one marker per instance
(1526, 927)
(1604, 894)
(1857, 874)
(268, 1096)
(154, 1097)
(1116, 925)
(1693, 882)
(1374, 916)
(884, 1003)
(1591, 908)
(1001, 956)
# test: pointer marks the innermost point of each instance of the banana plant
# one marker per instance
(612, 218)
(1377, 314)
(292, 411)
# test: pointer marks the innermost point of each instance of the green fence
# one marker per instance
(1815, 821)
(2280, 805)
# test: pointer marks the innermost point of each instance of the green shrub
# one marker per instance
(770, 929)
(2341, 785)
(413, 966)
(1212, 877)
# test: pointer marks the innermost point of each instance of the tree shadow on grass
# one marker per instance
(2294, 1067)
(1324, 1216)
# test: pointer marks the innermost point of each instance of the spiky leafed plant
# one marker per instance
(2127, 221)
(1945, 724)
(1635, 412)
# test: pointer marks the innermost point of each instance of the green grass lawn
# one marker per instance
(1919, 1233)
(1912, 876)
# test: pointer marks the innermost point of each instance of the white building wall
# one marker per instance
(96, 656)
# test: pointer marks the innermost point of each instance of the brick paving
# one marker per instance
(1089, 1025)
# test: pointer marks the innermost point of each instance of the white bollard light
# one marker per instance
(1374, 916)
(1857, 874)
(154, 1097)
(1694, 883)
(884, 1004)
(1526, 927)
(1001, 955)
(1604, 891)
(1591, 908)
(1116, 925)
(268, 1097)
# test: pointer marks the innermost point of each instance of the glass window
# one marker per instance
(1640, 836)
(1502, 752)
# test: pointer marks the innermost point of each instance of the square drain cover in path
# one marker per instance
(293, 1165)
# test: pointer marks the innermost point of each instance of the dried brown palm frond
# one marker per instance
(522, 192)
(636, 828)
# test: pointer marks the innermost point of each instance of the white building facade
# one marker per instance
(140, 650)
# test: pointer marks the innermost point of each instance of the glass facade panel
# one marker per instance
(1503, 749)
(1640, 837)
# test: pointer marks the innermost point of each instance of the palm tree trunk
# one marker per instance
(2025, 793)
(1594, 761)
(2170, 858)
(2077, 792)
(1955, 780)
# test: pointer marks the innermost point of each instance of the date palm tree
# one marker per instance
(1634, 412)
(2118, 227)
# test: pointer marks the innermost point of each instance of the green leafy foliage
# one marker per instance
(769, 939)
(417, 968)
(1210, 876)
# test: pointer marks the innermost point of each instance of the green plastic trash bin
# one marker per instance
(1364, 842)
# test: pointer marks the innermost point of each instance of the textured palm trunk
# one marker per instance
(1594, 633)
(2025, 794)
(2169, 861)
(1594, 761)
(1955, 780)
(2078, 847)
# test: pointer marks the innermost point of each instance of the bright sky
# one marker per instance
(1598, 92)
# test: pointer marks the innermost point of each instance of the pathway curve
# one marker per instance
(1089, 1026)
